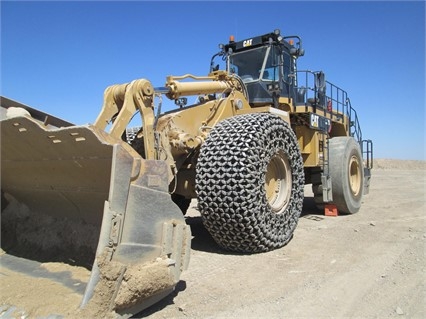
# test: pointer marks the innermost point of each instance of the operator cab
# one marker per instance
(266, 64)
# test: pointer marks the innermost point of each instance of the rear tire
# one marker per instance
(347, 174)
(249, 183)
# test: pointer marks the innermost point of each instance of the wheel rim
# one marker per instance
(278, 182)
(354, 175)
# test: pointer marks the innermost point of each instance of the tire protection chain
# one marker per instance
(230, 183)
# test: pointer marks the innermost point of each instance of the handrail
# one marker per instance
(334, 99)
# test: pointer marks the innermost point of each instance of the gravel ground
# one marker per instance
(367, 265)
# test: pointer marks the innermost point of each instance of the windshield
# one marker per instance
(252, 65)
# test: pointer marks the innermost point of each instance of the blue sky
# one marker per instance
(60, 56)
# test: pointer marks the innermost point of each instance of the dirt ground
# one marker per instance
(367, 265)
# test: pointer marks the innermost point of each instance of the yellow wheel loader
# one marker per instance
(259, 130)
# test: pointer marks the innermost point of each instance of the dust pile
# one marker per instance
(383, 163)
(25, 295)
(123, 286)
(142, 281)
(68, 247)
(37, 236)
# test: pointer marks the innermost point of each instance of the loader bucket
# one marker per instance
(92, 201)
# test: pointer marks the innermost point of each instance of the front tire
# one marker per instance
(249, 183)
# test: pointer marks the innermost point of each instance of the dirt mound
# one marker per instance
(37, 236)
(382, 163)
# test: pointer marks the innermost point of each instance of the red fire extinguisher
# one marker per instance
(329, 105)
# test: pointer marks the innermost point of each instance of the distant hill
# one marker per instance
(382, 163)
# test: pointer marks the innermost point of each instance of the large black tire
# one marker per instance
(347, 173)
(250, 182)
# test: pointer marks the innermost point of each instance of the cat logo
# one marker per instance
(320, 123)
(247, 43)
